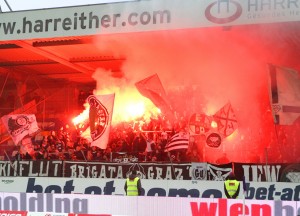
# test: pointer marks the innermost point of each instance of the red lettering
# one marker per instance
(236, 209)
(264, 210)
(222, 207)
(71, 214)
(12, 213)
(204, 209)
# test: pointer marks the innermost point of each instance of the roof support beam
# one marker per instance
(54, 57)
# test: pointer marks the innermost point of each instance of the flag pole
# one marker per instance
(266, 149)
(11, 165)
(86, 161)
(266, 152)
(244, 195)
(173, 169)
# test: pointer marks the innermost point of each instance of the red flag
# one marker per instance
(100, 116)
(226, 120)
(152, 88)
(20, 125)
(284, 92)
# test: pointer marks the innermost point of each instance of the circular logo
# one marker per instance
(98, 116)
(21, 120)
(199, 123)
(214, 140)
(276, 108)
(200, 172)
(223, 20)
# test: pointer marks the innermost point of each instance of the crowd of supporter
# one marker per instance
(145, 140)
(127, 142)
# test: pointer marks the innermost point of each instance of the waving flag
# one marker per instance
(152, 88)
(178, 141)
(20, 125)
(100, 116)
(284, 90)
(226, 120)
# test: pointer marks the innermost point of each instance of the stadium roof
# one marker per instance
(71, 55)
(72, 59)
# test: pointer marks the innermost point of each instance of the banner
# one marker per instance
(284, 91)
(100, 116)
(20, 125)
(164, 171)
(142, 16)
(121, 171)
(39, 168)
(54, 187)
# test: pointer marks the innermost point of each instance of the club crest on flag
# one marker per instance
(276, 108)
(19, 126)
(98, 116)
(214, 140)
(199, 171)
(199, 123)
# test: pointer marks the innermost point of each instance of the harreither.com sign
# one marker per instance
(152, 15)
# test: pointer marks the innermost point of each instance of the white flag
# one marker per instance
(284, 91)
(100, 117)
(20, 125)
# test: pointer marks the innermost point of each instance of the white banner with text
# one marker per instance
(137, 16)
(83, 204)
(159, 188)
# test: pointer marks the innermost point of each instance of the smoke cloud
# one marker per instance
(222, 64)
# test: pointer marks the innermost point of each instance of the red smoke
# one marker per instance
(202, 69)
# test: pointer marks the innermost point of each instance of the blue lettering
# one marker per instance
(184, 192)
(287, 194)
(261, 193)
(156, 191)
(93, 190)
(109, 188)
(35, 188)
(212, 192)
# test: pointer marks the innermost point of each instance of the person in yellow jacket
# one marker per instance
(133, 186)
(231, 187)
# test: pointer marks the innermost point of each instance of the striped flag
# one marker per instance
(284, 91)
(178, 141)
